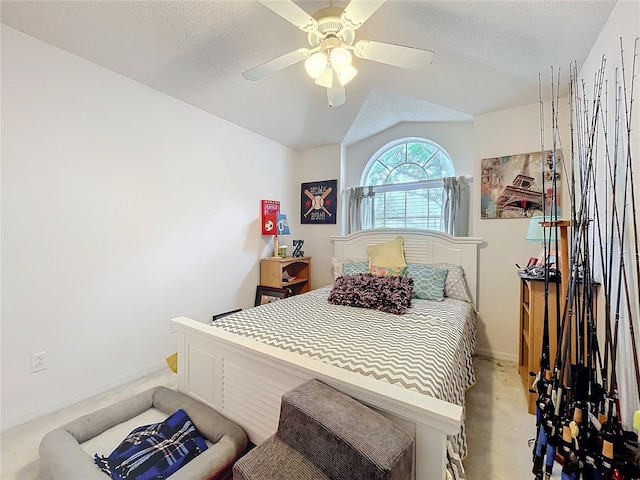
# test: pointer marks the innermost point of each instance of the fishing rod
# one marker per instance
(603, 264)
(612, 435)
(555, 235)
(543, 449)
(629, 165)
(571, 429)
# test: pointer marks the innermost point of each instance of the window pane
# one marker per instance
(416, 204)
(394, 157)
(420, 153)
(377, 174)
(412, 205)
(408, 172)
(439, 166)
(395, 205)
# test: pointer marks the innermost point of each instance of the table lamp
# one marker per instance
(538, 225)
(536, 231)
(282, 228)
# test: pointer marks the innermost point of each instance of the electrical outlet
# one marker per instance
(38, 362)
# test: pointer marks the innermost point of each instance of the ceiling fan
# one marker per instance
(331, 36)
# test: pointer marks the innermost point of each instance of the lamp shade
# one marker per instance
(326, 79)
(347, 75)
(282, 225)
(316, 64)
(536, 232)
(340, 59)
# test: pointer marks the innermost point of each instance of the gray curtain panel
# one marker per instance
(456, 209)
(360, 213)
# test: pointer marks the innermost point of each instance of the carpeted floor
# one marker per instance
(498, 425)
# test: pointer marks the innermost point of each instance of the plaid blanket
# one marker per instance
(154, 451)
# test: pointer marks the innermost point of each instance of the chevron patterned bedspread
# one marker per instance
(427, 350)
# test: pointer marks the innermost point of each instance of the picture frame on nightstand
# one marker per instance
(266, 295)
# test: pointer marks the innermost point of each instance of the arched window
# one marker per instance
(407, 176)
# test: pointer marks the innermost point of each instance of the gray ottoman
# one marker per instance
(325, 434)
(62, 457)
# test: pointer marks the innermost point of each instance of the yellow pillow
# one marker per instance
(389, 254)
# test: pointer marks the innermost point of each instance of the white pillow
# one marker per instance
(339, 262)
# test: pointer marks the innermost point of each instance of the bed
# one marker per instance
(242, 364)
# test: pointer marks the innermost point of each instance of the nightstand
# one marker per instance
(290, 272)
(532, 328)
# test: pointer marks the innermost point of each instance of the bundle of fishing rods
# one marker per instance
(578, 415)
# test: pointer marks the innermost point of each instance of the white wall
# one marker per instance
(454, 137)
(623, 23)
(506, 132)
(121, 208)
(315, 165)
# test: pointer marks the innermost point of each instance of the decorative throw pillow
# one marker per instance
(356, 267)
(428, 281)
(154, 451)
(388, 255)
(338, 264)
(386, 271)
(456, 283)
(387, 294)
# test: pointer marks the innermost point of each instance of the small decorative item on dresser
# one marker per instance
(297, 248)
(282, 228)
(268, 210)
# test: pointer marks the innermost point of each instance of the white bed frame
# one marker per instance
(244, 379)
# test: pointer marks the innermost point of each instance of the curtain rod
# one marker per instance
(468, 178)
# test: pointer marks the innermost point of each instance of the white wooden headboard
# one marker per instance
(420, 246)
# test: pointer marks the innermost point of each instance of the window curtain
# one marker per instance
(456, 207)
(360, 213)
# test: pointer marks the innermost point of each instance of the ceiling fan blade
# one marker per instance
(292, 13)
(279, 63)
(357, 12)
(335, 93)
(398, 55)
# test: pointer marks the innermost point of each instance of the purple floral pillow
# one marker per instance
(388, 294)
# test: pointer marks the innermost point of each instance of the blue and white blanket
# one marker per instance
(154, 451)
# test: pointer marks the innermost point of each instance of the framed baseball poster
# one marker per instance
(319, 202)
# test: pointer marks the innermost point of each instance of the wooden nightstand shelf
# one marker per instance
(532, 328)
(272, 271)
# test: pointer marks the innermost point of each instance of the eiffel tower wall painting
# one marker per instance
(512, 186)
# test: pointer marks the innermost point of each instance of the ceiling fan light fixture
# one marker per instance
(340, 59)
(347, 75)
(326, 79)
(316, 65)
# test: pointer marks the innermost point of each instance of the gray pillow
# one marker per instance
(456, 284)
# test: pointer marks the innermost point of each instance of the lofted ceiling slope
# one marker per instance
(488, 56)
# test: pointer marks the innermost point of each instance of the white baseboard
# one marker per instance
(14, 422)
(493, 355)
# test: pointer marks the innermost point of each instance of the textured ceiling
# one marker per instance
(489, 55)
